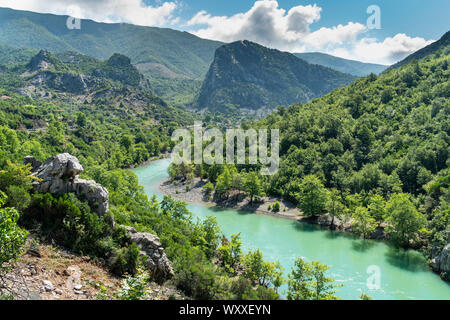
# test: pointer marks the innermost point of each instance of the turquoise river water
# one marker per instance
(402, 274)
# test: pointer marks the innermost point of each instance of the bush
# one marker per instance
(134, 288)
(125, 260)
(276, 207)
(12, 237)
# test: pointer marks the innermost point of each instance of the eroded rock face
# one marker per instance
(59, 175)
(441, 263)
(153, 252)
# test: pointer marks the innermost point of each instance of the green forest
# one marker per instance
(370, 153)
(375, 153)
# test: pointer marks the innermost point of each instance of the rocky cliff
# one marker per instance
(441, 263)
(247, 76)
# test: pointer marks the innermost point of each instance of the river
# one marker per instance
(353, 262)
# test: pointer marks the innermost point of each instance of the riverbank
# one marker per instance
(283, 239)
(149, 161)
(194, 193)
(237, 201)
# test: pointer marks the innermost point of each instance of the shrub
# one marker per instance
(12, 237)
(276, 207)
(125, 260)
(134, 287)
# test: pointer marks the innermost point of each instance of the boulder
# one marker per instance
(153, 253)
(59, 175)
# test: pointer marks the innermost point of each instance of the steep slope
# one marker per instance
(157, 52)
(84, 80)
(424, 52)
(248, 76)
(386, 136)
(356, 68)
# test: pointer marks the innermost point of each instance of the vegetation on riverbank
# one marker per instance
(374, 153)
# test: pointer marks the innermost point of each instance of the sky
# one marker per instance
(342, 28)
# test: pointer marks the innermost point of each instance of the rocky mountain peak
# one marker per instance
(42, 61)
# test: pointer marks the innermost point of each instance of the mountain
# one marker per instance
(356, 68)
(157, 52)
(424, 52)
(114, 82)
(246, 76)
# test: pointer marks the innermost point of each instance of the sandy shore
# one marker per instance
(237, 201)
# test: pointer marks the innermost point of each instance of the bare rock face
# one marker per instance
(153, 253)
(441, 263)
(59, 175)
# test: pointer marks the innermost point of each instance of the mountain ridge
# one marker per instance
(246, 75)
(353, 67)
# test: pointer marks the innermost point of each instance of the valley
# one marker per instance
(357, 210)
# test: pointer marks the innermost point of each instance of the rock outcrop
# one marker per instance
(152, 251)
(59, 175)
(441, 263)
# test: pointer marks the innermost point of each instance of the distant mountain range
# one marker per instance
(246, 76)
(156, 52)
(356, 68)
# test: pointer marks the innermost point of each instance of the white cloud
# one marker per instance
(338, 35)
(264, 23)
(268, 24)
(388, 51)
(131, 11)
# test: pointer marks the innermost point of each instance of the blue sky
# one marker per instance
(428, 19)
(337, 27)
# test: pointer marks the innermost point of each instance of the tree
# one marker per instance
(208, 187)
(198, 171)
(12, 237)
(231, 251)
(334, 206)
(81, 119)
(262, 272)
(307, 281)
(223, 184)
(312, 196)
(211, 235)
(236, 180)
(376, 207)
(363, 222)
(253, 185)
(404, 221)
(126, 141)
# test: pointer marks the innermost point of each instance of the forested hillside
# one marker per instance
(108, 133)
(157, 52)
(374, 154)
(424, 52)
